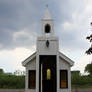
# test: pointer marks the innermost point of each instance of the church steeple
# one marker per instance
(47, 24)
(47, 15)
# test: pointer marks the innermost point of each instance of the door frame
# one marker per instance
(40, 71)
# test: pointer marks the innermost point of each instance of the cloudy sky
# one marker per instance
(20, 24)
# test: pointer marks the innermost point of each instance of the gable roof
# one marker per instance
(61, 55)
(68, 60)
(31, 57)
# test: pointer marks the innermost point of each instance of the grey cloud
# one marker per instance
(25, 40)
(75, 39)
(5, 38)
(16, 15)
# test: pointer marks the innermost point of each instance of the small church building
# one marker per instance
(48, 70)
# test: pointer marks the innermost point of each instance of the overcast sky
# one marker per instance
(20, 24)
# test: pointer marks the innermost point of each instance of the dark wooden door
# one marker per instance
(48, 73)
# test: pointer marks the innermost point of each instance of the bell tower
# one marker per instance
(47, 24)
(47, 43)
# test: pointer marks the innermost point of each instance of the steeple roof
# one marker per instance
(47, 14)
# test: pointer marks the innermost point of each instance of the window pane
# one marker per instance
(32, 79)
(48, 74)
(63, 79)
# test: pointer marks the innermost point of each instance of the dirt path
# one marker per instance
(22, 90)
(81, 90)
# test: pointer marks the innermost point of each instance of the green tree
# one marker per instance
(88, 68)
(89, 51)
(1, 71)
(19, 72)
(76, 77)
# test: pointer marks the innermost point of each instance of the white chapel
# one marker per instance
(48, 70)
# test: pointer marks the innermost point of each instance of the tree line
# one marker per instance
(17, 79)
(12, 81)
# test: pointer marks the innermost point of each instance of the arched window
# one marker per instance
(47, 28)
(48, 74)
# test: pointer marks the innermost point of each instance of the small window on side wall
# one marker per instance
(63, 79)
(32, 79)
